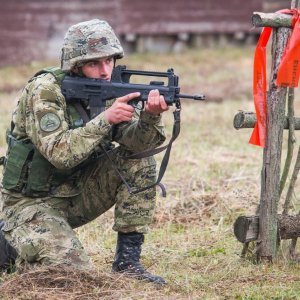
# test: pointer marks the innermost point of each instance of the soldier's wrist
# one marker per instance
(150, 118)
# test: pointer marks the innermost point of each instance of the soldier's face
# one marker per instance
(99, 69)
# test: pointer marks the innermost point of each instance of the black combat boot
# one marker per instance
(8, 254)
(127, 258)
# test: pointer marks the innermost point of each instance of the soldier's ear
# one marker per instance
(75, 69)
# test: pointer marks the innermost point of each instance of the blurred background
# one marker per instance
(213, 175)
(34, 29)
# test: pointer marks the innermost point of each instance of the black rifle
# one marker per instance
(97, 91)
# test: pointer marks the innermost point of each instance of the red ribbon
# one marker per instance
(289, 68)
(287, 76)
(258, 136)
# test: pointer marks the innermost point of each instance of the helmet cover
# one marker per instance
(94, 39)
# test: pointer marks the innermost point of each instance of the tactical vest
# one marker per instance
(26, 170)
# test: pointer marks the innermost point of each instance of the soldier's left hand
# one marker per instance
(156, 103)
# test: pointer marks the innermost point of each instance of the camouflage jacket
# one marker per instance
(65, 147)
(42, 116)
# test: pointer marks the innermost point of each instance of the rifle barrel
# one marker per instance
(194, 97)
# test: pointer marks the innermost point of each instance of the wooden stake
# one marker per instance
(260, 19)
(270, 174)
(246, 119)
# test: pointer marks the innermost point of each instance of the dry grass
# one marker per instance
(213, 176)
(60, 283)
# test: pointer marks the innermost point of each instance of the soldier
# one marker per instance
(56, 174)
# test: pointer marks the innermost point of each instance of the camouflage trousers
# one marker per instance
(41, 229)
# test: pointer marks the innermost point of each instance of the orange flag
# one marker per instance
(289, 68)
(287, 76)
(258, 136)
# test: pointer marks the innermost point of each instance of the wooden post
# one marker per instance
(246, 229)
(270, 174)
(267, 222)
(247, 119)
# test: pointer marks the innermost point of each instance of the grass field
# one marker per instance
(213, 177)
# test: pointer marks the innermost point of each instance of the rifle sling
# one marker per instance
(142, 154)
(83, 114)
(165, 160)
(164, 163)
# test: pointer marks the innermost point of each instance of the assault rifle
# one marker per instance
(97, 91)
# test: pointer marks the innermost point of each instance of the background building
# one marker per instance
(34, 29)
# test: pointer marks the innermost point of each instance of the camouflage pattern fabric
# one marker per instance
(89, 40)
(41, 229)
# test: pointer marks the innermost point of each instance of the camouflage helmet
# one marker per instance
(94, 39)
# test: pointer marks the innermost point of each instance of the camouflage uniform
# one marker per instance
(40, 228)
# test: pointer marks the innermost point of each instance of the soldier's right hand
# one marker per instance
(121, 111)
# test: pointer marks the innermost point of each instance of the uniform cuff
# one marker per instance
(150, 119)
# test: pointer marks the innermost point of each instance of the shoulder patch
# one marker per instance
(50, 122)
(48, 95)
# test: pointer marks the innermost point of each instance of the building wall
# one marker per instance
(186, 16)
(34, 29)
(272, 6)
